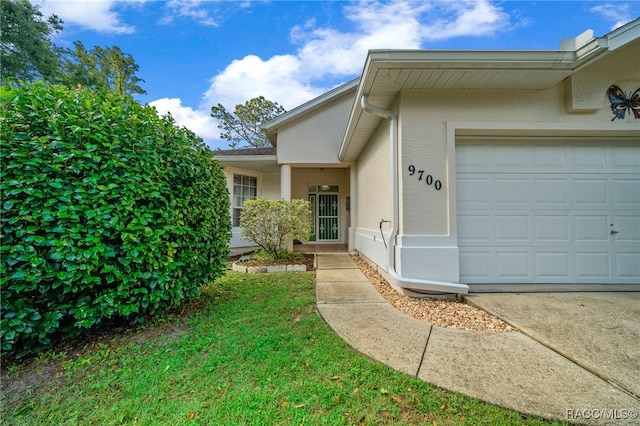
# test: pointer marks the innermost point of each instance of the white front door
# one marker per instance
(548, 211)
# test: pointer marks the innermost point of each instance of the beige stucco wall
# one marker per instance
(621, 67)
(271, 186)
(268, 183)
(302, 178)
(373, 201)
(374, 181)
(268, 187)
(315, 138)
(429, 121)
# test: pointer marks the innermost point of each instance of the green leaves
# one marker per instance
(103, 68)
(271, 223)
(243, 127)
(108, 212)
(27, 51)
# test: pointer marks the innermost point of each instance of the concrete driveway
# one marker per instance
(598, 331)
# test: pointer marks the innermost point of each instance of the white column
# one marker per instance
(353, 213)
(285, 192)
(285, 181)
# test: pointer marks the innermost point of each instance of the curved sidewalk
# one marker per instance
(507, 369)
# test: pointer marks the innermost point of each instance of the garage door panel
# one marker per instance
(552, 191)
(590, 158)
(510, 190)
(590, 228)
(510, 158)
(543, 212)
(474, 191)
(553, 265)
(547, 160)
(625, 157)
(627, 265)
(593, 265)
(590, 192)
(551, 228)
(474, 228)
(474, 157)
(626, 192)
(512, 228)
(513, 264)
(479, 263)
(627, 228)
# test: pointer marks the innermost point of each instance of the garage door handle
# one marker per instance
(614, 232)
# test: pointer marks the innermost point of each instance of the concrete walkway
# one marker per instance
(511, 370)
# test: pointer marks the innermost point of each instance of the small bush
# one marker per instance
(271, 223)
(109, 212)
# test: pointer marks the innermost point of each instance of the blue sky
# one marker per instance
(194, 54)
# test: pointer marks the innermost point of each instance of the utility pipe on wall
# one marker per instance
(396, 279)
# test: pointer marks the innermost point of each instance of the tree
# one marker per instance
(28, 54)
(271, 223)
(244, 125)
(108, 68)
(109, 213)
(25, 46)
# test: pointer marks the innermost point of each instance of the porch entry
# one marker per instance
(325, 208)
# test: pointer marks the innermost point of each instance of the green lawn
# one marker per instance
(252, 350)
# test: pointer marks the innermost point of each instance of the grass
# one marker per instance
(253, 351)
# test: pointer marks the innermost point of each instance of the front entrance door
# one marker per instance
(325, 210)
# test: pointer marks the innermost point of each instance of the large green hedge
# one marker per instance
(109, 213)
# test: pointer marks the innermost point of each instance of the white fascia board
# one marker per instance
(262, 163)
(623, 35)
(356, 109)
(239, 158)
(473, 60)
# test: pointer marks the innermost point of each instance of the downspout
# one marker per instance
(396, 279)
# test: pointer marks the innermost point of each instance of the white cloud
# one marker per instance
(277, 79)
(330, 53)
(619, 13)
(338, 55)
(97, 15)
(189, 9)
(199, 121)
(468, 18)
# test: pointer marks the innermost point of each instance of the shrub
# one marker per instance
(109, 212)
(271, 223)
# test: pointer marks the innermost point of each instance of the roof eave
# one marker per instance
(271, 127)
(260, 163)
(563, 62)
(572, 56)
(232, 158)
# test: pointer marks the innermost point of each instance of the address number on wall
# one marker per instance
(427, 178)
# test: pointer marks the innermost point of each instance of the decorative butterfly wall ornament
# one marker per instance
(621, 104)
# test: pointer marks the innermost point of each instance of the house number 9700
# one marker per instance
(428, 178)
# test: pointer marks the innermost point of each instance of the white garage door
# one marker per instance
(549, 211)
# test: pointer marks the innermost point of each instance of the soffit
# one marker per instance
(387, 73)
(258, 163)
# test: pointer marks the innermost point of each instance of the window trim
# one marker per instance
(231, 185)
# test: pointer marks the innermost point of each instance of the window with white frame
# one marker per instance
(244, 188)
